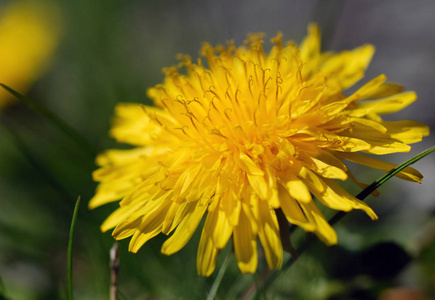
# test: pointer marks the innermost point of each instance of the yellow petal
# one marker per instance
(185, 230)
(325, 139)
(110, 191)
(296, 188)
(140, 125)
(185, 180)
(386, 89)
(389, 104)
(207, 254)
(132, 124)
(169, 218)
(230, 204)
(119, 157)
(370, 123)
(221, 230)
(344, 69)
(378, 88)
(259, 185)
(312, 180)
(139, 238)
(127, 229)
(380, 143)
(308, 99)
(269, 235)
(323, 230)
(332, 195)
(184, 209)
(151, 225)
(387, 147)
(293, 211)
(310, 47)
(118, 216)
(250, 209)
(249, 166)
(245, 245)
(370, 87)
(324, 165)
(274, 198)
(408, 173)
(407, 131)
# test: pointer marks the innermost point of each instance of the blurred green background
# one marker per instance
(111, 51)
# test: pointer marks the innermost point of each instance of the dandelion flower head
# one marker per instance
(245, 139)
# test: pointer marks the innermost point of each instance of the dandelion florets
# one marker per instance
(245, 137)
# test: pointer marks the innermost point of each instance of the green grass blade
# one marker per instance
(217, 282)
(367, 191)
(377, 183)
(70, 247)
(338, 216)
(54, 119)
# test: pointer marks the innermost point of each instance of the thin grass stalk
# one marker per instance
(218, 280)
(70, 248)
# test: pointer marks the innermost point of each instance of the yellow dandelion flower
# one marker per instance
(29, 33)
(244, 136)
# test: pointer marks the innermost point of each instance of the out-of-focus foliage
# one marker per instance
(29, 33)
(111, 51)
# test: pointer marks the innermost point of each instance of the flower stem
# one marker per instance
(114, 266)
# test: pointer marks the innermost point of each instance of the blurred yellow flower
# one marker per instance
(29, 33)
(244, 136)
